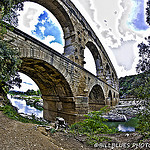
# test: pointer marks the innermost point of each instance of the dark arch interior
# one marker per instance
(107, 68)
(56, 93)
(110, 98)
(96, 98)
(48, 79)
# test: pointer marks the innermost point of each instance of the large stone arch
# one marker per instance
(57, 8)
(97, 58)
(56, 92)
(96, 98)
(75, 79)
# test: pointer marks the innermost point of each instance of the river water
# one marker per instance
(128, 126)
(23, 108)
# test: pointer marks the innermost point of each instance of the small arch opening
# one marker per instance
(90, 62)
(96, 98)
(93, 59)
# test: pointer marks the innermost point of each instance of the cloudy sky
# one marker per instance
(119, 24)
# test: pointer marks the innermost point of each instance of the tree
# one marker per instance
(148, 12)
(9, 62)
(142, 88)
(144, 48)
(8, 10)
(9, 56)
(144, 54)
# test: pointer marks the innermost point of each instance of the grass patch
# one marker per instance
(10, 112)
(92, 127)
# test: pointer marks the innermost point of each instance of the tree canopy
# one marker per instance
(9, 56)
(8, 10)
(148, 12)
(144, 54)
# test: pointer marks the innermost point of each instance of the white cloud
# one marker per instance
(58, 47)
(48, 39)
(125, 55)
(29, 17)
(42, 29)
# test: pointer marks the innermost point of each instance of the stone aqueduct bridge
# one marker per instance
(68, 90)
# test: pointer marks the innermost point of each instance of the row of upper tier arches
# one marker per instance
(77, 36)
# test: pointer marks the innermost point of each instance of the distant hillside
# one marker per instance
(125, 83)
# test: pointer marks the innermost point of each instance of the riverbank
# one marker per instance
(16, 135)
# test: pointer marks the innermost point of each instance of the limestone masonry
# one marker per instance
(68, 90)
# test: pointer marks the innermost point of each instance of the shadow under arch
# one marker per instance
(97, 58)
(56, 91)
(110, 98)
(57, 9)
(96, 98)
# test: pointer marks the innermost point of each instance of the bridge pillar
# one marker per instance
(108, 79)
(81, 106)
(55, 106)
(100, 73)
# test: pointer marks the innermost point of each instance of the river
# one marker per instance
(23, 108)
(128, 126)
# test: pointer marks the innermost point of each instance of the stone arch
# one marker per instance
(114, 95)
(110, 98)
(96, 98)
(61, 14)
(114, 98)
(97, 58)
(113, 79)
(56, 91)
(108, 74)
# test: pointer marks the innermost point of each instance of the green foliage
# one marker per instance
(28, 93)
(141, 86)
(144, 121)
(8, 10)
(9, 63)
(92, 126)
(135, 85)
(9, 57)
(144, 54)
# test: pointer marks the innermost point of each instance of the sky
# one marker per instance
(119, 24)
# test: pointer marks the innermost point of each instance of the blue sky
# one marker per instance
(137, 18)
(49, 29)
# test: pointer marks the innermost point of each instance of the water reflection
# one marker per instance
(123, 128)
(23, 108)
(127, 126)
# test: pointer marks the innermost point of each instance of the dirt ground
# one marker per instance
(15, 135)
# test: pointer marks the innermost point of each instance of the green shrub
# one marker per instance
(144, 122)
(94, 124)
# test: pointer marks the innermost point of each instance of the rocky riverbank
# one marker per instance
(126, 109)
